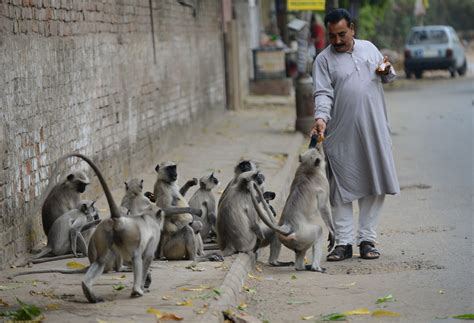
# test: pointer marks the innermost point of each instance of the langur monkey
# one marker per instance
(241, 167)
(134, 199)
(238, 228)
(180, 239)
(66, 233)
(204, 199)
(308, 199)
(135, 238)
(63, 197)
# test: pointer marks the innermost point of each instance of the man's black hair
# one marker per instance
(336, 15)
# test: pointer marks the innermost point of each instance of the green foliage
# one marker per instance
(456, 13)
(26, 312)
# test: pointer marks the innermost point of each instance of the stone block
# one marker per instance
(272, 87)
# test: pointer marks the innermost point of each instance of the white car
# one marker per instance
(434, 48)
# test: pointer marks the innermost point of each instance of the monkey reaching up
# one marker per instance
(180, 239)
(63, 197)
(66, 233)
(308, 199)
(204, 199)
(134, 200)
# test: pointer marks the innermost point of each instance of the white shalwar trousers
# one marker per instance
(369, 211)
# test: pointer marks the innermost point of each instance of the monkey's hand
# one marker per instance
(150, 196)
(332, 241)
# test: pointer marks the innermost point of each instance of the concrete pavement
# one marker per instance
(264, 133)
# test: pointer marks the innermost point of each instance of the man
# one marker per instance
(350, 111)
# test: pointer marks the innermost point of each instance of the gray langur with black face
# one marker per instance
(63, 197)
(134, 199)
(180, 239)
(241, 167)
(135, 238)
(238, 226)
(204, 199)
(66, 234)
(307, 201)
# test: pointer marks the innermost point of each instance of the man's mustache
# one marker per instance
(339, 45)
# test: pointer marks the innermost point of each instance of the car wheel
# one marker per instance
(418, 74)
(463, 69)
(452, 71)
(408, 74)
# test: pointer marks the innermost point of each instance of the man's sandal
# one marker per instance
(368, 251)
(340, 252)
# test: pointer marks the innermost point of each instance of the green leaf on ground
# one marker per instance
(119, 286)
(26, 312)
(217, 291)
(334, 317)
(469, 316)
(293, 277)
(388, 298)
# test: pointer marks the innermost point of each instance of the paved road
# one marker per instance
(425, 233)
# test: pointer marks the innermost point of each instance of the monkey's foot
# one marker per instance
(89, 295)
(281, 263)
(315, 268)
(137, 293)
(216, 258)
(148, 280)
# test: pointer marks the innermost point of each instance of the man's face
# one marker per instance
(341, 35)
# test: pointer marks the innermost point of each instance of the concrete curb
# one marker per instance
(235, 278)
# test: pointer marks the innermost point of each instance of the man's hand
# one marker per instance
(384, 67)
(318, 128)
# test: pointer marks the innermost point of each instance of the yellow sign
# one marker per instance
(306, 5)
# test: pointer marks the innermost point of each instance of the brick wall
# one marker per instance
(84, 76)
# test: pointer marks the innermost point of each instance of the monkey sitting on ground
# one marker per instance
(179, 240)
(66, 233)
(134, 200)
(241, 167)
(238, 228)
(204, 199)
(63, 197)
(308, 199)
(135, 238)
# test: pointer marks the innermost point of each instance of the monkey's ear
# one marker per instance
(157, 168)
(317, 162)
(126, 185)
(93, 202)
(299, 158)
(70, 177)
(84, 208)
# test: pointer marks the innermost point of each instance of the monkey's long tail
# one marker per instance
(253, 187)
(53, 270)
(114, 210)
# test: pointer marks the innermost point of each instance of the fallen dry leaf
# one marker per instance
(188, 302)
(381, 313)
(359, 311)
(75, 265)
(52, 307)
(165, 298)
(258, 269)
(3, 303)
(242, 306)
(254, 277)
(170, 317)
(307, 318)
(102, 321)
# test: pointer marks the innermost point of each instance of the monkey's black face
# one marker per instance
(245, 166)
(81, 187)
(172, 173)
(214, 180)
(259, 178)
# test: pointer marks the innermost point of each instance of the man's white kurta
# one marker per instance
(348, 95)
